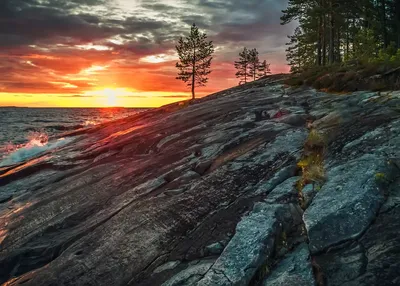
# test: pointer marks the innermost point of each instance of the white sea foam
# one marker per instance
(31, 149)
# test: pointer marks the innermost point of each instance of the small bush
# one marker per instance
(349, 76)
(338, 83)
(294, 81)
(370, 70)
(312, 162)
(311, 80)
(323, 82)
(343, 69)
(377, 86)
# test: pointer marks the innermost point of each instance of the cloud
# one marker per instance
(57, 46)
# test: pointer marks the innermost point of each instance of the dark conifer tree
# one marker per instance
(242, 66)
(254, 63)
(336, 31)
(195, 56)
(263, 69)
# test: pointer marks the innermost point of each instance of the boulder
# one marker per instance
(347, 204)
(252, 244)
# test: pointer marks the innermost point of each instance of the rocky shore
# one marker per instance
(204, 193)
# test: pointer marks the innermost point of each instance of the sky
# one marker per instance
(93, 53)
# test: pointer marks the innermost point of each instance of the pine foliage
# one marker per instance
(249, 66)
(195, 56)
(339, 31)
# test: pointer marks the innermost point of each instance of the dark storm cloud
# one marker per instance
(27, 22)
(243, 21)
(199, 20)
(139, 24)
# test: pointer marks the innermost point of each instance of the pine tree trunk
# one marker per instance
(324, 41)
(193, 95)
(367, 19)
(354, 37)
(347, 39)
(338, 54)
(193, 70)
(319, 43)
(331, 35)
(384, 24)
(245, 73)
(397, 21)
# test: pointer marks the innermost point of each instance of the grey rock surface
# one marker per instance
(167, 266)
(309, 191)
(190, 275)
(347, 203)
(284, 193)
(252, 244)
(215, 248)
(124, 201)
(294, 270)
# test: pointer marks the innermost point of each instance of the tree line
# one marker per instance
(195, 56)
(337, 31)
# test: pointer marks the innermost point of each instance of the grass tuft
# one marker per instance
(312, 163)
(315, 139)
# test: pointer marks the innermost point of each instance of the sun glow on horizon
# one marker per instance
(102, 97)
(110, 97)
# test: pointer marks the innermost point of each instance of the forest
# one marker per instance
(341, 31)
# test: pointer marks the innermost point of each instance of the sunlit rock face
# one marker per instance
(204, 193)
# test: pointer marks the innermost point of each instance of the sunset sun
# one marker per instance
(111, 97)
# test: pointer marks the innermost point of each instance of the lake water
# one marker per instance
(26, 130)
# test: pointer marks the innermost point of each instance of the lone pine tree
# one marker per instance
(195, 55)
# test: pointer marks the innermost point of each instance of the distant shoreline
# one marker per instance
(22, 107)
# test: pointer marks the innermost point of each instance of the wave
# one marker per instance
(38, 144)
(42, 121)
(50, 128)
(58, 127)
(91, 123)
